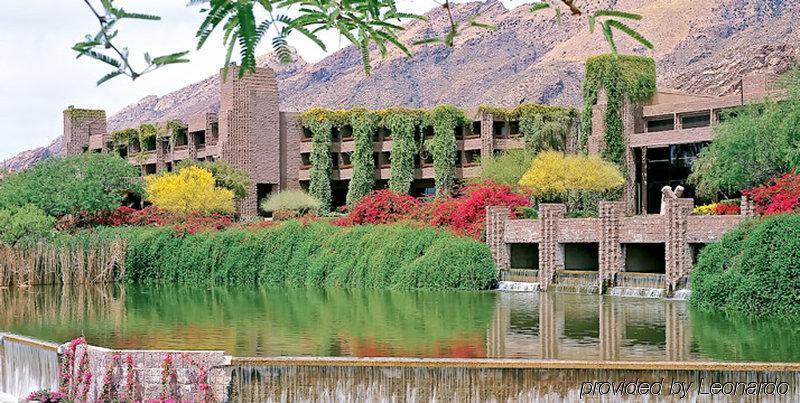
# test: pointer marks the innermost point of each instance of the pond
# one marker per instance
(253, 321)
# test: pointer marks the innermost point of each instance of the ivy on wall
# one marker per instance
(444, 119)
(320, 122)
(364, 124)
(544, 127)
(402, 123)
(624, 78)
(78, 113)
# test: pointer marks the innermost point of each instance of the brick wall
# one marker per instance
(79, 126)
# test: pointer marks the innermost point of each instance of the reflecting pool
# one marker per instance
(253, 321)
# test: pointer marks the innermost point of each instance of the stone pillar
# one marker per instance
(249, 129)
(79, 124)
(610, 253)
(496, 218)
(550, 258)
(678, 259)
(629, 114)
(746, 207)
(487, 136)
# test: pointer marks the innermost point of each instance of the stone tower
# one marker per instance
(83, 130)
(249, 131)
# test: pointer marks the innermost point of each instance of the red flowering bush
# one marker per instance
(727, 209)
(778, 195)
(466, 214)
(380, 207)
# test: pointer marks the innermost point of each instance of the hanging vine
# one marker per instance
(444, 119)
(364, 124)
(544, 127)
(623, 78)
(402, 123)
(320, 123)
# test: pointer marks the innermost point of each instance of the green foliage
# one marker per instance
(126, 137)
(609, 21)
(174, 127)
(100, 46)
(754, 269)
(320, 124)
(291, 200)
(753, 144)
(363, 123)
(315, 255)
(225, 175)
(734, 336)
(402, 123)
(59, 186)
(25, 224)
(506, 168)
(545, 127)
(75, 113)
(624, 78)
(444, 119)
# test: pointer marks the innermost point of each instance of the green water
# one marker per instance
(254, 321)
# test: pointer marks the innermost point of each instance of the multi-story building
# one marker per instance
(249, 131)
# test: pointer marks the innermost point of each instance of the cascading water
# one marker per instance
(682, 294)
(517, 286)
(581, 282)
(637, 292)
(26, 366)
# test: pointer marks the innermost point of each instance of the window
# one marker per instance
(660, 125)
(689, 122)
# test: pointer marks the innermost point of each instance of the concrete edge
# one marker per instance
(514, 364)
(44, 345)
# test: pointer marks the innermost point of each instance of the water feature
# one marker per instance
(26, 365)
(263, 322)
(517, 286)
(637, 292)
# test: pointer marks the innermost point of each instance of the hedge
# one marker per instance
(754, 269)
(318, 254)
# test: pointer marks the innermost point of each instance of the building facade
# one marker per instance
(663, 137)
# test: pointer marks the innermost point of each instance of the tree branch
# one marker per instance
(572, 7)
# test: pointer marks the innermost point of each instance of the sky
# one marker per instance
(40, 76)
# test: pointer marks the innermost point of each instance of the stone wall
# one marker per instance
(109, 368)
(79, 126)
(677, 230)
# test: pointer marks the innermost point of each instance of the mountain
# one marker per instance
(701, 47)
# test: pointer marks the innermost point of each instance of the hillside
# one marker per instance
(701, 47)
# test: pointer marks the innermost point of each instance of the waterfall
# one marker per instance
(470, 382)
(682, 294)
(637, 292)
(517, 286)
(26, 365)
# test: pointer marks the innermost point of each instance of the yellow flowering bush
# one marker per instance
(191, 189)
(705, 209)
(553, 175)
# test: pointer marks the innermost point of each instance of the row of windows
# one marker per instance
(383, 159)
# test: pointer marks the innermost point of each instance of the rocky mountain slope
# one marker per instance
(701, 47)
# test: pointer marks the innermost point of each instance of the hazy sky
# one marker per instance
(41, 77)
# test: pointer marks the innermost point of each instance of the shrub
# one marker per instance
(506, 168)
(60, 186)
(579, 181)
(192, 189)
(722, 208)
(467, 214)
(24, 224)
(754, 269)
(381, 207)
(225, 175)
(292, 202)
(753, 144)
(318, 254)
(779, 195)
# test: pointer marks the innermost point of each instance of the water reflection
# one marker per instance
(277, 321)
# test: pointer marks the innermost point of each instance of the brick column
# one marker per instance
(610, 254)
(548, 326)
(677, 334)
(611, 325)
(496, 218)
(550, 258)
(746, 207)
(487, 137)
(678, 259)
(630, 112)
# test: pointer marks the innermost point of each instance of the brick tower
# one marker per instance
(83, 130)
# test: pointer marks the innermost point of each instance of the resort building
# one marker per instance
(630, 243)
